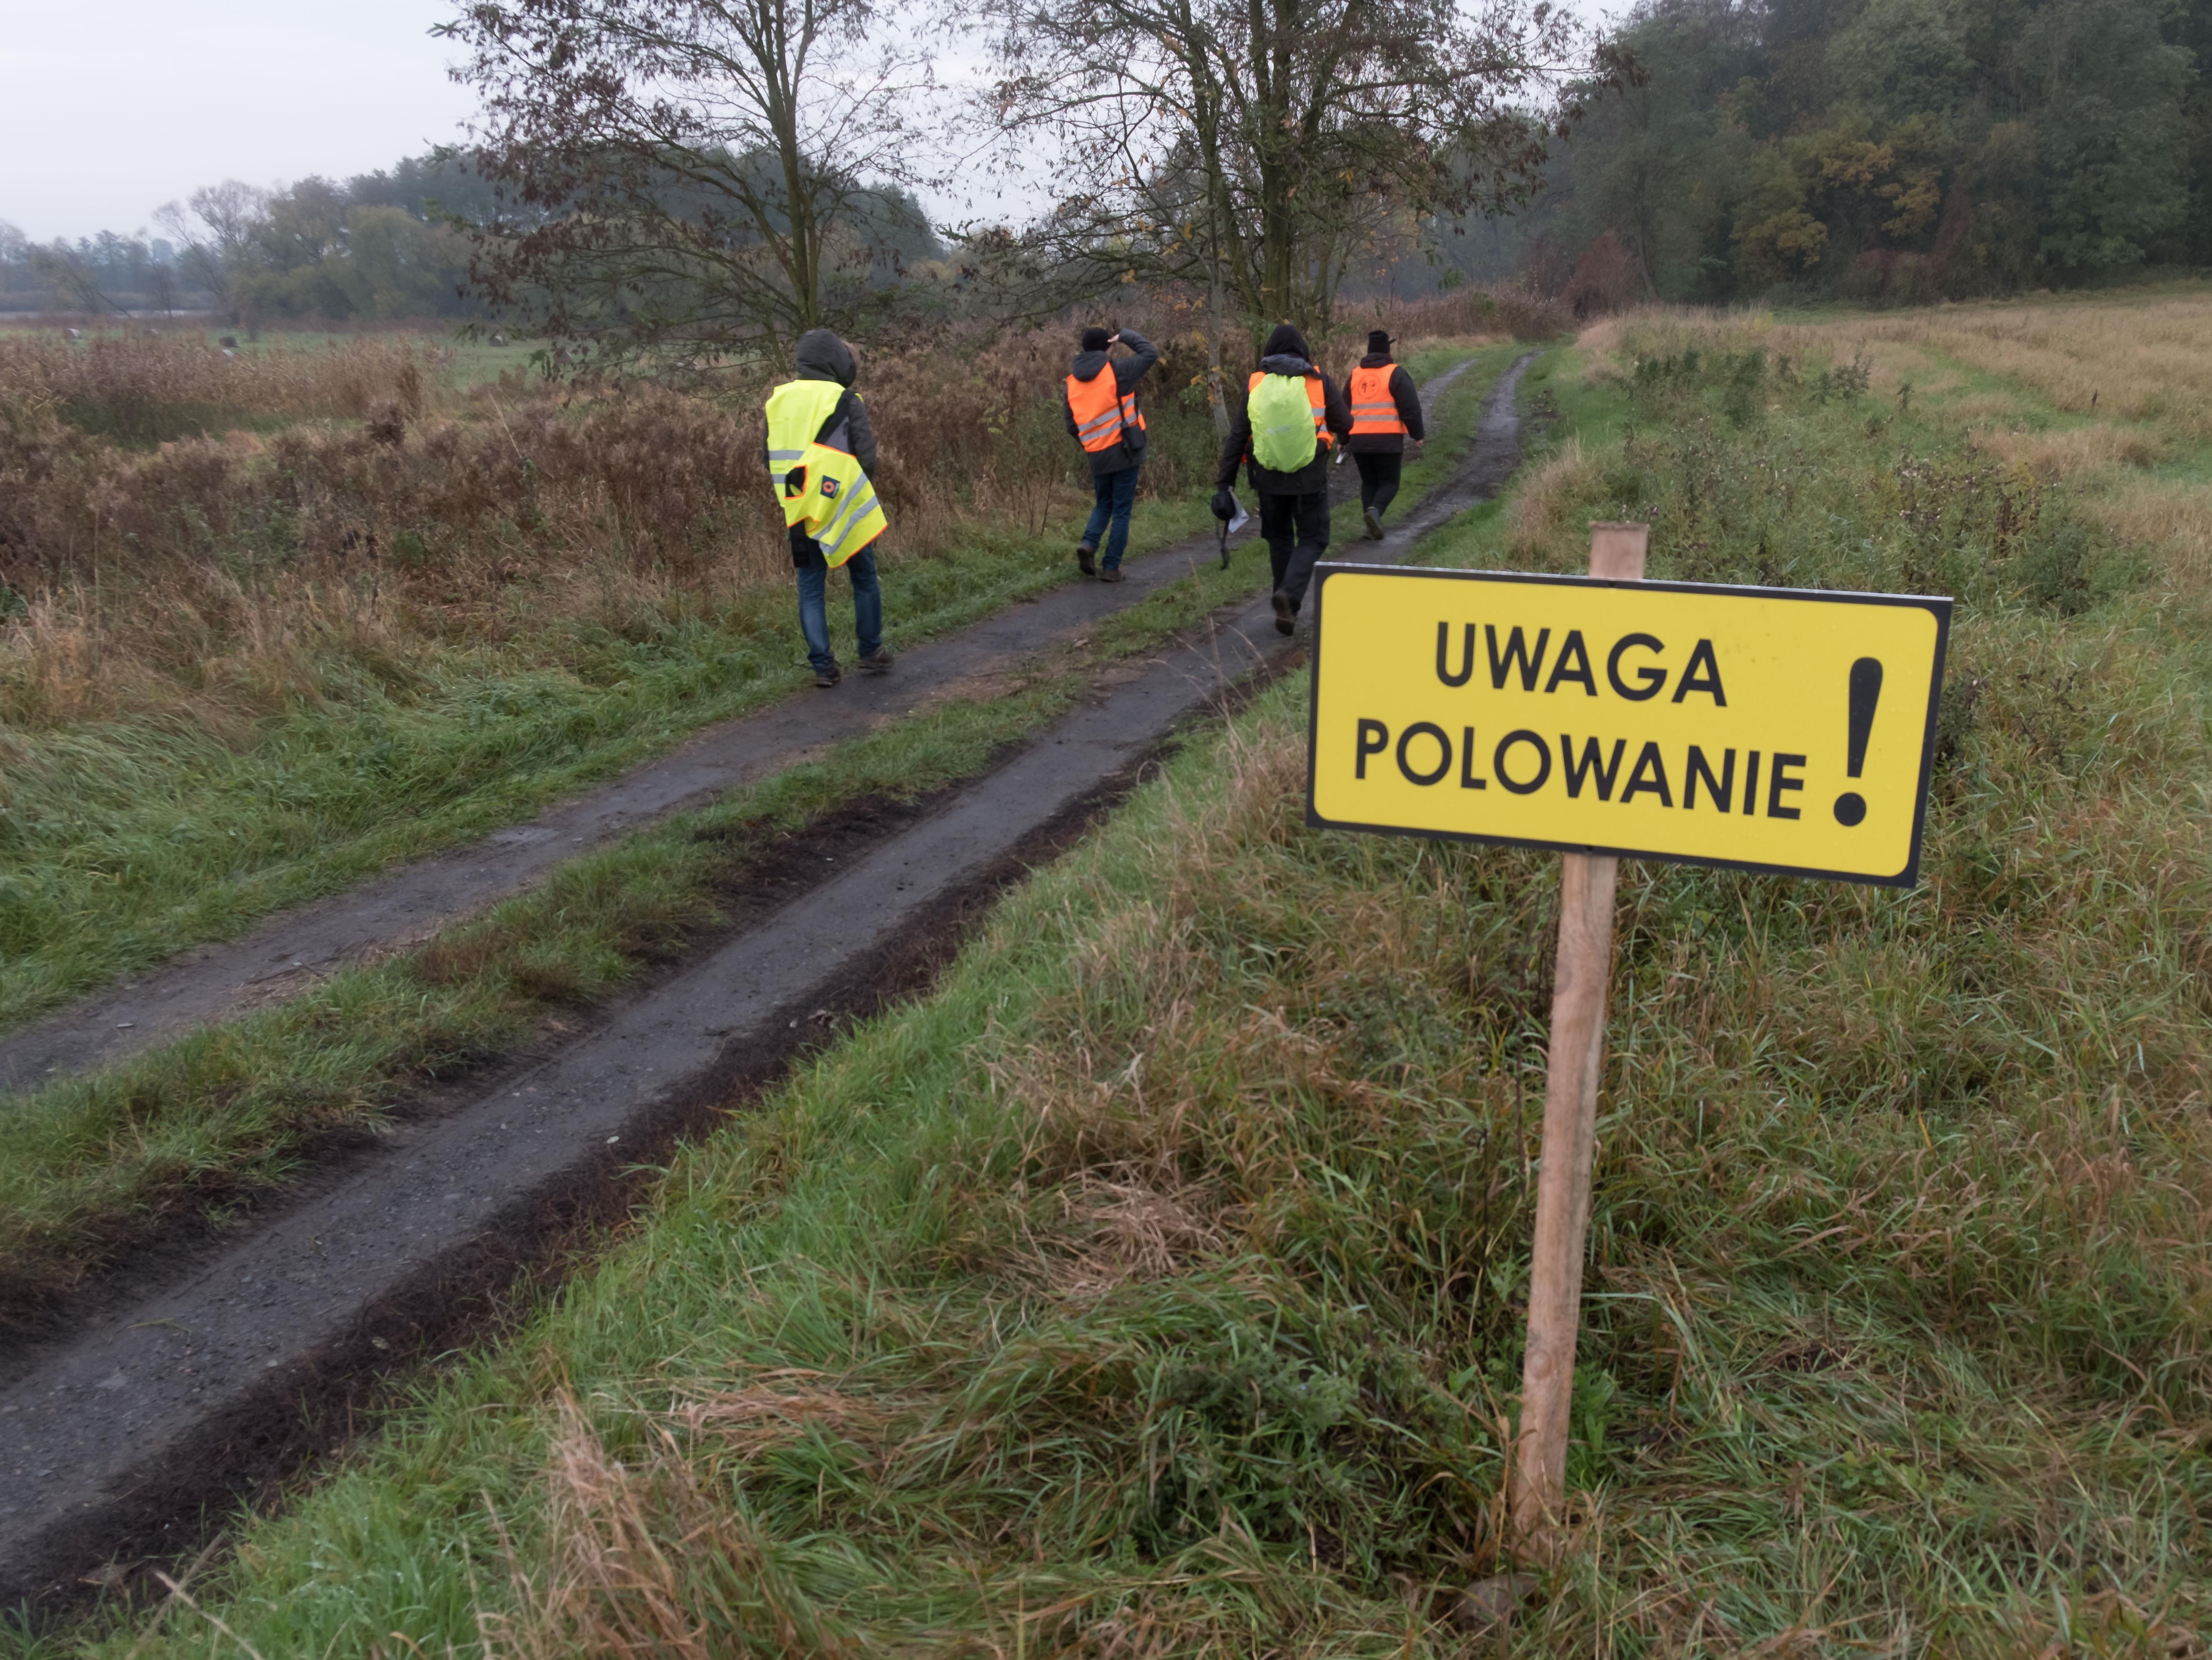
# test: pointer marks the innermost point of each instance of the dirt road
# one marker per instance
(285, 953)
(112, 1441)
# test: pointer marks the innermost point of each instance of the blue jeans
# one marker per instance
(814, 612)
(1117, 493)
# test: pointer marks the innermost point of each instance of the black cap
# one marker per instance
(1095, 339)
(1377, 342)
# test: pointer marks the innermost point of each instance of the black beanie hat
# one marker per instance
(1287, 342)
(1377, 342)
(1095, 339)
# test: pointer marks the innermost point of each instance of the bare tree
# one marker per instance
(687, 178)
(215, 236)
(73, 283)
(1252, 145)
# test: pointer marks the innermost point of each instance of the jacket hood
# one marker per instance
(1086, 365)
(823, 357)
(1286, 362)
(1286, 341)
(1377, 360)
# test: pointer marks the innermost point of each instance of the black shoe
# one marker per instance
(1374, 524)
(1111, 573)
(1083, 561)
(828, 677)
(1286, 614)
(878, 661)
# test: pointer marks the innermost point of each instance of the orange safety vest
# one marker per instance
(1373, 408)
(1100, 418)
(1317, 394)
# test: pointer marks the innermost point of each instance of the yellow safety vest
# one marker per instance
(818, 479)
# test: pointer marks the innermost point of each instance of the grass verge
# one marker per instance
(1153, 1287)
(187, 1131)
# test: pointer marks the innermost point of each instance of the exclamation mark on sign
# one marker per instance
(1866, 693)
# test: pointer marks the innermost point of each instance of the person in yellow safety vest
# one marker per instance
(1100, 402)
(1386, 412)
(821, 456)
(1293, 503)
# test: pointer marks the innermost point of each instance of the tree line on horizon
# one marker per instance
(383, 245)
(1890, 151)
(663, 180)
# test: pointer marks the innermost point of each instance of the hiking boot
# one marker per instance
(1111, 573)
(1286, 614)
(828, 677)
(1374, 524)
(1083, 561)
(878, 661)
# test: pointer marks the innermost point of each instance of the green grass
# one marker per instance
(99, 1163)
(1153, 1287)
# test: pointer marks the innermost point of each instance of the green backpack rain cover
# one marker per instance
(1282, 422)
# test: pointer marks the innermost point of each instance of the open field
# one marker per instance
(1153, 1288)
(475, 359)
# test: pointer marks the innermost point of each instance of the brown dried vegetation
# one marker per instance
(348, 503)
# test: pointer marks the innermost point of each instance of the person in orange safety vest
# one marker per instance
(1100, 402)
(1386, 412)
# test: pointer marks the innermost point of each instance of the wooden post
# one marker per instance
(1576, 1064)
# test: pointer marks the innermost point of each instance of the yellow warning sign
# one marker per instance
(1780, 729)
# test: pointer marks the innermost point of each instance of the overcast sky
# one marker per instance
(106, 112)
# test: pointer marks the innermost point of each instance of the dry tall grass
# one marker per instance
(2131, 380)
(126, 385)
(347, 506)
(2135, 359)
(386, 519)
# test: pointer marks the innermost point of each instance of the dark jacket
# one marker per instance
(1314, 476)
(823, 357)
(1128, 371)
(1409, 411)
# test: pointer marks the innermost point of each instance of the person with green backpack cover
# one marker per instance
(1292, 419)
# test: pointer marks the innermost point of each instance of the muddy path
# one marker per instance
(284, 954)
(117, 1442)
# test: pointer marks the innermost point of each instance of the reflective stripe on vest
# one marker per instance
(1100, 416)
(1373, 408)
(818, 480)
(1316, 395)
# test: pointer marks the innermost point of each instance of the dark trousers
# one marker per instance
(1297, 531)
(1378, 479)
(1109, 517)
